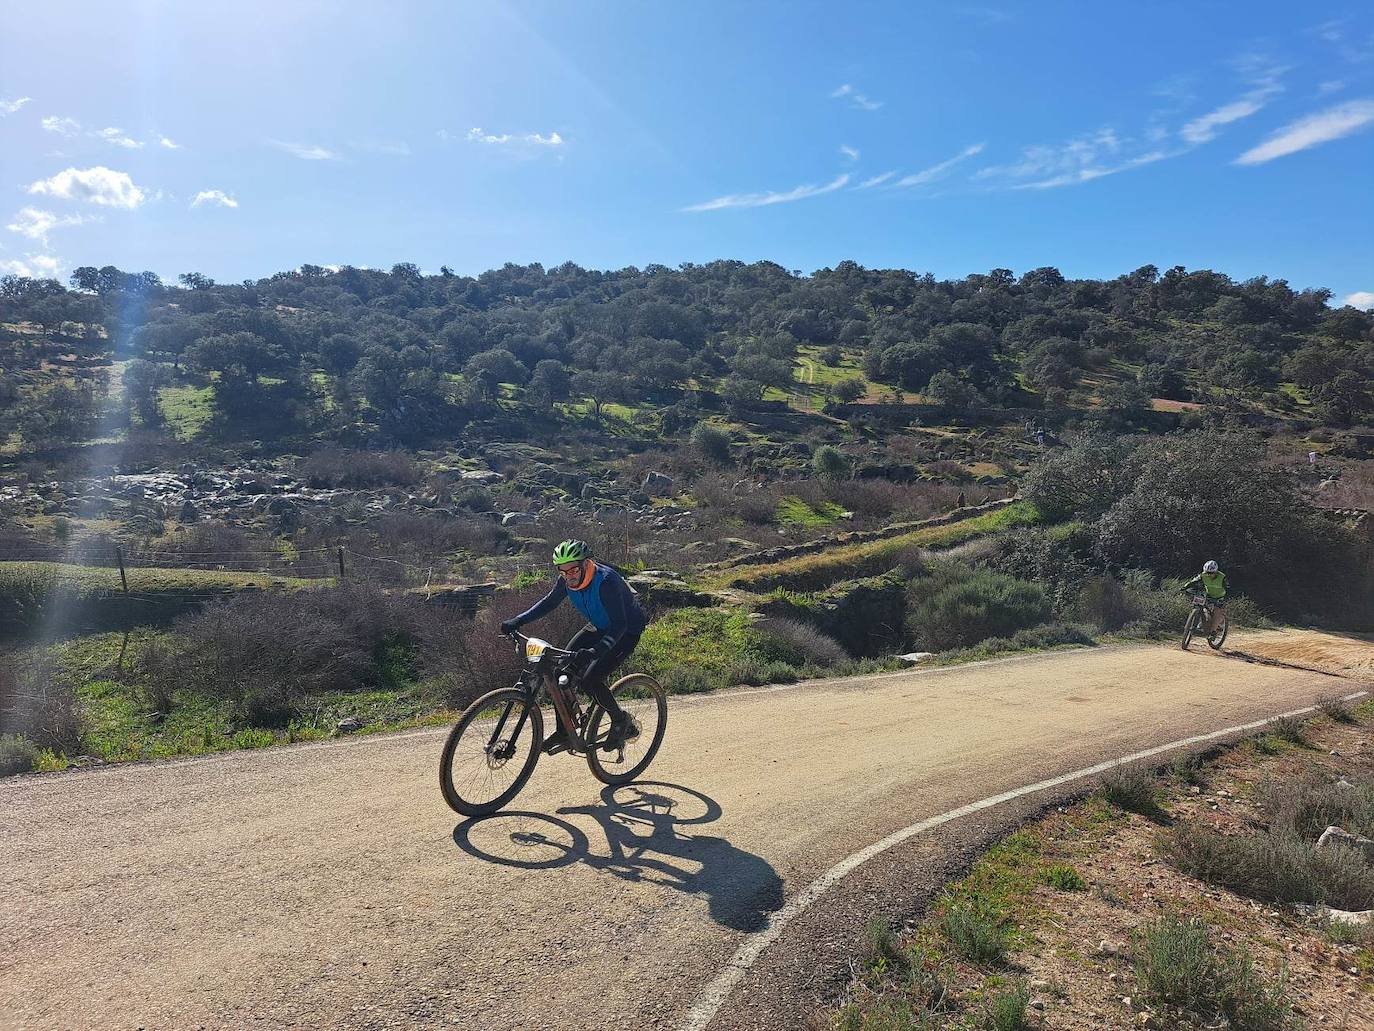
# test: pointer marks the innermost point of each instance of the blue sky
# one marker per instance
(240, 139)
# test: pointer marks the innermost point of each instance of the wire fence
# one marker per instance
(339, 563)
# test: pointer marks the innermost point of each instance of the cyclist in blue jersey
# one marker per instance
(615, 623)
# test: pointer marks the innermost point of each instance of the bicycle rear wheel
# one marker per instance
(644, 699)
(1218, 637)
(490, 752)
(1190, 627)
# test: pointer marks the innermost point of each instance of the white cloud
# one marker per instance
(214, 197)
(856, 98)
(1087, 174)
(1322, 127)
(850, 152)
(9, 107)
(98, 185)
(533, 139)
(1362, 299)
(33, 266)
(876, 180)
(306, 151)
(1043, 160)
(36, 223)
(163, 141)
(759, 200)
(1330, 86)
(118, 137)
(61, 126)
(929, 175)
(1204, 129)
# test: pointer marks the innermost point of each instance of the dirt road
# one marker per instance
(328, 886)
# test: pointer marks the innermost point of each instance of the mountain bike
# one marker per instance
(494, 746)
(1198, 617)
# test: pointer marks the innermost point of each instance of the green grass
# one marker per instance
(704, 649)
(105, 580)
(187, 409)
(867, 557)
(796, 512)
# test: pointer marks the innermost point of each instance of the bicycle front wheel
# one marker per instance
(644, 699)
(491, 752)
(1190, 627)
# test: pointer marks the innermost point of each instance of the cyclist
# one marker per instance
(615, 623)
(1212, 583)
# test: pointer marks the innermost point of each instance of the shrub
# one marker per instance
(1173, 962)
(975, 606)
(829, 464)
(1131, 788)
(809, 643)
(850, 389)
(1064, 878)
(267, 653)
(1178, 965)
(1004, 1009)
(1216, 491)
(17, 754)
(880, 944)
(1290, 729)
(1273, 867)
(1104, 602)
(712, 442)
(39, 702)
(1337, 710)
(1306, 807)
(975, 930)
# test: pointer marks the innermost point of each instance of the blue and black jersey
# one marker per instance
(606, 601)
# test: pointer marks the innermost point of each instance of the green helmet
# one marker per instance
(571, 551)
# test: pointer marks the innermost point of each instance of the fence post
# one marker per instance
(124, 583)
(119, 559)
(341, 563)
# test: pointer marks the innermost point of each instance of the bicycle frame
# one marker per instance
(538, 672)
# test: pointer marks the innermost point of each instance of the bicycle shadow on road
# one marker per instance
(644, 843)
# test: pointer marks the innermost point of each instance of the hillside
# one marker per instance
(805, 474)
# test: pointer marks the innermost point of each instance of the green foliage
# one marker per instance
(1081, 481)
(1212, 496)
(1004, 1009)
(1064, 878)
(1179, 966)
(17, 754)
(712, 442)
(975, 929)
(1174, 963)
(828, 464)
(957, 607)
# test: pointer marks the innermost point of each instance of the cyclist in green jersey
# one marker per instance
(1211, 582)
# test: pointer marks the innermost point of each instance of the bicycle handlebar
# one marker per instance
(516, 635)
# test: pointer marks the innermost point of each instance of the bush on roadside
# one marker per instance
(1131, 788)
(39, 702)
(268, 653)
(1273, 867)
(1179, 966)
(958, 607)
(809, 642)
(17, 754)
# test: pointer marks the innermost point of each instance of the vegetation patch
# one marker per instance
(1096, 932)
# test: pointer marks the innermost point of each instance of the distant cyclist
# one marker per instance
(1211, 582)
(615, 620)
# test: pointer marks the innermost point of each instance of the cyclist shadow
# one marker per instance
(644, 843)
